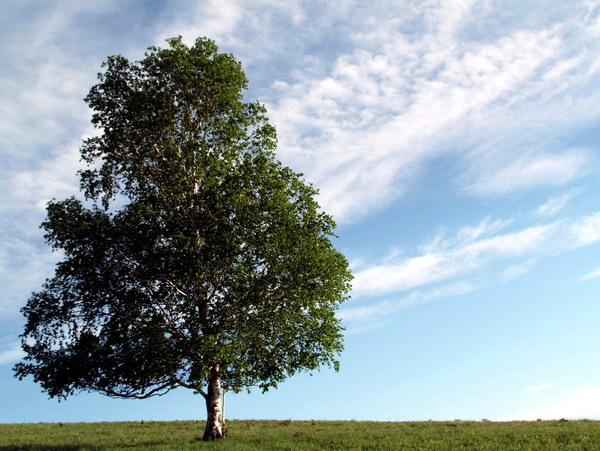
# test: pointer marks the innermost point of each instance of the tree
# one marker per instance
(195, 259)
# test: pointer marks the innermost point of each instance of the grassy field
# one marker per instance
(293, 435)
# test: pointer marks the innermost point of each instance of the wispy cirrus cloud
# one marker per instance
(592, 275)
(218, 20)
(256, 32)
(51, 58)
(46, 75)
(364, 120)
(518, 269)
(364, 130)
(531, 171)
(363, 318)
(52, 178)
(24, 265)
(556, 204)
(11, 354)
(466, 235)
(453, 265)
(445, 259)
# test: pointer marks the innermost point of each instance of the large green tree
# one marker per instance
(195, 259)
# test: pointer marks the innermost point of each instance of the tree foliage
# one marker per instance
(193, 251)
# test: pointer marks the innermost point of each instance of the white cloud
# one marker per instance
(448, 19)
(399, 83)
(380, 313)
(410, 273)
(11, 355)
(454, 289)
(23, 268)
(592, 275)
(253, 31)
(515, 244)
(216, 19)
(381, 309)
(459, 256)
(364, 127)
(363, 131)
(538, 388)
(530, 171)
(466, 235)
(451, 262)
(514, 271)
(471, 250)
(45, 81)
(563, 69)
(581, 404)
(556, 204)
(56, 177)
(586, 230)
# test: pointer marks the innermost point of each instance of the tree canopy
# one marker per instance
(193, 258)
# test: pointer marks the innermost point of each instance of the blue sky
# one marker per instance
(455, 142)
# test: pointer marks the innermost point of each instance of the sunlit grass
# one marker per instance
(292, 435)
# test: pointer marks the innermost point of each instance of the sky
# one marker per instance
(456, 144)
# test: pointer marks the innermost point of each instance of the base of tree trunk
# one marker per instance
(214, 430)
(215, 420)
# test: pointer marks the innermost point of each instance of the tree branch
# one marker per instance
(193, 387)
(132, 394)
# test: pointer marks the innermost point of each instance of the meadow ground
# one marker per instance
(304, 435)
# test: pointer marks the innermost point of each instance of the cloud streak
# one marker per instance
(11, 355)
(364, 121)
(363, 131)
(556, 204)
(592, 275)
(447, 259)
(531, 171)
(364, 318)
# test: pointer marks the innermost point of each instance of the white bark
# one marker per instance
(215, 423)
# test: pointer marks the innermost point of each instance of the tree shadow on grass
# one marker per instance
(39, 446)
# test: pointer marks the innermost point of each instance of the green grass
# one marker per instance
(293, 435)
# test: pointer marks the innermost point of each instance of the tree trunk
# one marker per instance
(215, 423)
